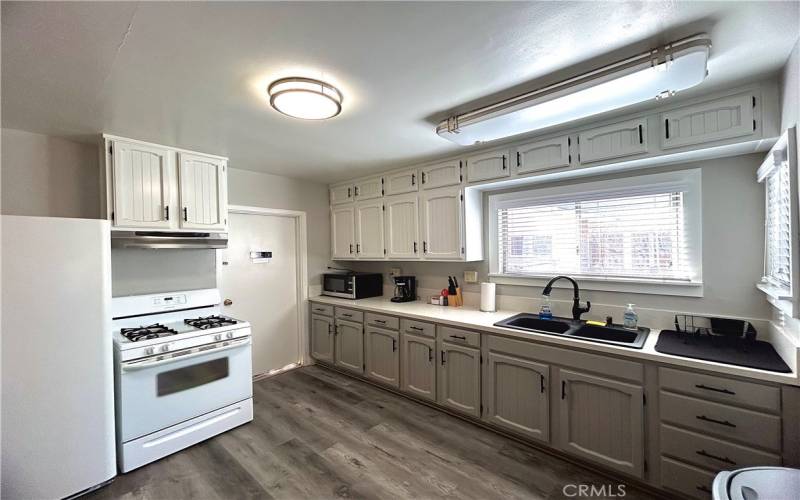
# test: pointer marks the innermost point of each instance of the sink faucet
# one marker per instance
(577, 310)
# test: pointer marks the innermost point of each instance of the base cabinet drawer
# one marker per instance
(417, 327)
(458, 336)
(418, 370)
(711, 453)
(724, 390)
(379, 320)
(323, 309)
(349, 315)
(686, 479)
(745, 426)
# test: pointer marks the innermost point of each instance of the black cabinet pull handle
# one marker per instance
(394, 345)
(416, 328)
(519, 159)
(351, 248)
(423, 177)
(356, 190)
(166, 213)
(504, 162)
(358, 247)
(347, 315)
(185, 214)
(415, 247)
(430, 355)
(641, 137)
(666, 127)
(413, 179)
(380, 321)
(329, 328)
(715, 421)
(541, 379)
(707, 388)
(460, 337)
(424, 247)
(443, 360)
(563, 389)
(349, 193)
(319, 309)
(704, 453)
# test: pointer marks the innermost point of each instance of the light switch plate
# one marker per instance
(470, 276)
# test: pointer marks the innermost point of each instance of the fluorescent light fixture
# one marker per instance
(657, 74)
(305, 98)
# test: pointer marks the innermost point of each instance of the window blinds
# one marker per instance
(638, 234)
(778, 258)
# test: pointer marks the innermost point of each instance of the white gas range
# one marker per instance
(183, 373)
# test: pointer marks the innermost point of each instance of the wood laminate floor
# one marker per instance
(319, 434)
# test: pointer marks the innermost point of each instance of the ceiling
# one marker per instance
(193, 75)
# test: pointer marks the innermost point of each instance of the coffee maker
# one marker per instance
(405, 289)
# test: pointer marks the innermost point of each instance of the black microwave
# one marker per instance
(352, 285)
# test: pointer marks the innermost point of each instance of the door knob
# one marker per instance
(227, 302)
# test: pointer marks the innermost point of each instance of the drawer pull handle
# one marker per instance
(319, 309)
(430, 355)
(416, 328)
(715, 421)
(346, 315)
(704, 488)
(380, 321)
(541, 383)
(443, 358)
(707, 388)
(394, 345)
(460, 337)
(704, 453)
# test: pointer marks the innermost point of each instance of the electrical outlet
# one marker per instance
(395, 271)
(470, 276)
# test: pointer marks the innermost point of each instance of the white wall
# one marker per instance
(733, 218)
(790, 89)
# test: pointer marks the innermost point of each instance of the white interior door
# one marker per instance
(264, 293)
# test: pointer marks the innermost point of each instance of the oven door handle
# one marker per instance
(141, 365)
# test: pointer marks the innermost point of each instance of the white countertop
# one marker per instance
(472, 318)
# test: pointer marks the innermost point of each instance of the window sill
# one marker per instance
(778, 297)
(643, 286)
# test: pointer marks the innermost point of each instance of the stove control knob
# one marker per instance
(218, 337)
(164, 348)
(229, 335)
(149, 350)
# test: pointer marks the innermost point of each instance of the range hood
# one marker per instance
(159, 239)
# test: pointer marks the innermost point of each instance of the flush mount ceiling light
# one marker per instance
(656, 74)
(305, 98)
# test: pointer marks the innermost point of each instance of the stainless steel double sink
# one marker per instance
(563, 327)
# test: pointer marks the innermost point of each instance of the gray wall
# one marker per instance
(733, 219)
(54, 177)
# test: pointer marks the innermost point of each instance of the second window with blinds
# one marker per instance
(640, 234)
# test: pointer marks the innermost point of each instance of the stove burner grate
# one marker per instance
(153, 331)
(205, 323)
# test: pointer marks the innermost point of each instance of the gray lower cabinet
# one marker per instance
(516, 395)
(322, 337)
(459, 378)
(602, 420)
(350, 345)
(382, 352)
(418, 373)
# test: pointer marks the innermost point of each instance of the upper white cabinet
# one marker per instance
(402, 227)
(710, 121)
(342, 193)
(203, 192)
(155, 187)
(441, 174)
(343, 245)
(405, 181)
(368, 189)
(369, 229)
(543, 155)
(442, 221)
(142, 180)
(491, 165)
(613, 141)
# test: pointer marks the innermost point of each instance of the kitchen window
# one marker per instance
(638, 234)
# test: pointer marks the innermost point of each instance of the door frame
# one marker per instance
(302, 274)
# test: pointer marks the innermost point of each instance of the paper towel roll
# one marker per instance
(488, 297)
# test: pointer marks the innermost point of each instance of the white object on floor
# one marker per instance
(488, 296)
(58, 386)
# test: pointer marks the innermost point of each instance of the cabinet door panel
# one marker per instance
(203, 189)
(403, 182)
(442, 221)
(491, 165)
(368, 189)
(402, 227)
(382, 355)
(343, 232)
(613, 141)
(459, 377)
(516, 395)
(709, 121)
(142, 177)
(543, 155)
(602, 420)
(322, 337)
(442, 174)
(369, 229)
(350, 346)
(419, 366)
(342, 193)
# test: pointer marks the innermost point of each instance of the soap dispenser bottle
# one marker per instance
(546, 311)
(630, 318)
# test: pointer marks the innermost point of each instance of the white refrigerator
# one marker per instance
(57, 422)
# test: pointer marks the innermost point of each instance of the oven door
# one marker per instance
(157, 393)
(338, 285)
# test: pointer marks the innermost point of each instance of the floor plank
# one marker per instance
(319, 434)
